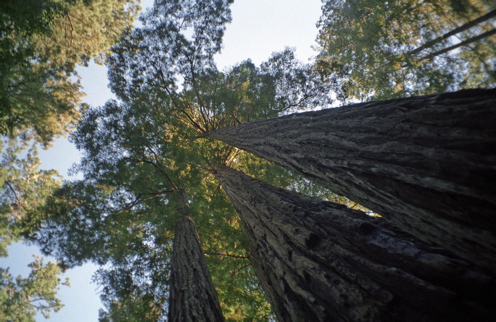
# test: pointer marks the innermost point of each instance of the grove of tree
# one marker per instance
(187, 225)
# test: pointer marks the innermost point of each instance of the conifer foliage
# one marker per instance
(402, 48)
(41, 43)
(169, 151)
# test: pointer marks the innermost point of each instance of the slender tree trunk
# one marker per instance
(192, 293)
(460, 44)
(320, 261)
(453, 32)
(427, 164)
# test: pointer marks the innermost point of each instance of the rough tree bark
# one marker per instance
(192, 293)
(320, 261)
(427, 164)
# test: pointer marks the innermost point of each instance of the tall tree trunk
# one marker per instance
(192, 293)
(427, 164)
(320, 261)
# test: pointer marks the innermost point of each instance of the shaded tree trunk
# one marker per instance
(192, 293)
(427, 164)
(320, 261)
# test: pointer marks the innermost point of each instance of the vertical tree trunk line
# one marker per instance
(318, 260)
(192, 293)
(427, 164)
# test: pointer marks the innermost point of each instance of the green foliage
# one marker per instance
(130, 308)
(128, 230)
(129, 295)
(24, 188)
(22, 298)
(119, 208)
(38, 103)
(41, 42)
(125, 150)
(143, 148)
(140, 150)
(240, 296)
(371, 46)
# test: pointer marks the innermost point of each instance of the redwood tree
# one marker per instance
(192, 293)
(427, 164)
(321, 261)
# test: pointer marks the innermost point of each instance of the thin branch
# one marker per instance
(178, 104)
(19, 200)
(157, 159)
(455, 31)
(228, 255)
(463, 43)
(197, 93)
(235, 272)
(73, 30)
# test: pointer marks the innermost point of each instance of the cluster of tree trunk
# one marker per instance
(325, 262)
(426, 164)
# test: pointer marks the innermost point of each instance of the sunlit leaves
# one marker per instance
(24, 188)
(21, 298)
(373, 46)
(41, 42)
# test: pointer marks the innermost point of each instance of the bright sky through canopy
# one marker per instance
(258, 28)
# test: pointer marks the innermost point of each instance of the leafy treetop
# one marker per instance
(393, 49)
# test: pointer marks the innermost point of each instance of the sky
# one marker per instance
(258, 28)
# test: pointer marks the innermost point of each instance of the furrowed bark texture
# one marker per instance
(192, 293)
(427, 164)
(320, 261)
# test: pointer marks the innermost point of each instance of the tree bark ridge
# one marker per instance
(322, 261)
(427, 164)
(192, 293)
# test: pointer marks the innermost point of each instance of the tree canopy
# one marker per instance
(41, 43)
(395, 49)
(22, 298)
(152, 142)
(139, 148)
